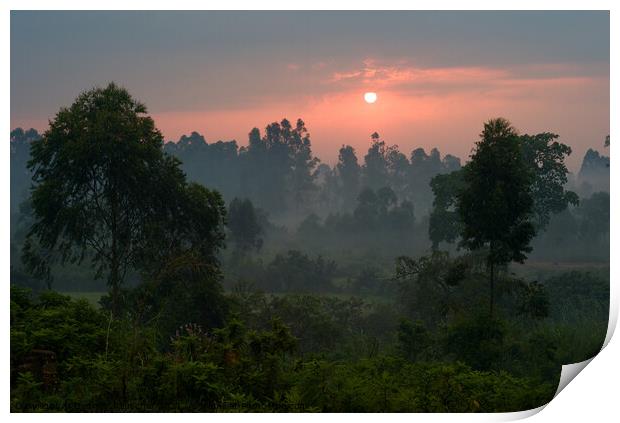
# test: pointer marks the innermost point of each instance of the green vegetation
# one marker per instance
(306, 352)
(314, 289)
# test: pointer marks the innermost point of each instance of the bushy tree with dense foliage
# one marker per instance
(545, 158)
(496, 204)
(103, 190)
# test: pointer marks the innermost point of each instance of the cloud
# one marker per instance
(340, 76)
(409, 79)
(293, 66)
(319, 65)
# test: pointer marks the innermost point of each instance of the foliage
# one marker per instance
(235, 368)
(534, 300)
(103, 190)
(477, 341)
(244, 226)
(594, 216)
(413, 339)
(545, 158)
(334, 332)
(427, 286)
(349, 172)
(496, 204)
(307, 353)
(297, 272)
(445, 224)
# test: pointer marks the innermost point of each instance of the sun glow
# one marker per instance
(370, 97)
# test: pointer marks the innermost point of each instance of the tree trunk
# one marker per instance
(492, 288)
(114, 284)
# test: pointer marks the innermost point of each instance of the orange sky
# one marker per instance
(442, 108)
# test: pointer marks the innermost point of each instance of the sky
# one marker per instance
(438, 75)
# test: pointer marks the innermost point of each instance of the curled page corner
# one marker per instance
(569, 372)
(519, 415)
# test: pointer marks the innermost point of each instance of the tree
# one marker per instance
(594, 173)
(303, 162)
(496, 205)
(444, 224)
(330, 195)
(423, 168)
(349, 171)
(594, 216)
(426, 286)
(279, 167)
(450, 163)
(375, 164)
(104, 190)
(413, 339)
(216, 165)
(367, 212)
(398, 169)
(244, 227)
(545, 158)
(185, 230)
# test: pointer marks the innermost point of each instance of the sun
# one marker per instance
(370, 97)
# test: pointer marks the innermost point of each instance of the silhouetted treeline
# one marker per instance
(278, 172)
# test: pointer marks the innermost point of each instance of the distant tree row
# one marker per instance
(278, 172)
(378, 216)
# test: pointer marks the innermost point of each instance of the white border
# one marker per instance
(591, 397)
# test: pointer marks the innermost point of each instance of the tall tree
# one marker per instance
(279, 167)
(375, 164)
(303, 163)
(398, 170)
(104, 190)
(349, 171)
(546, 159)
(496, 204)
(423, 168)
(253, 158)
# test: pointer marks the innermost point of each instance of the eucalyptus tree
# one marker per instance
(103, 190)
